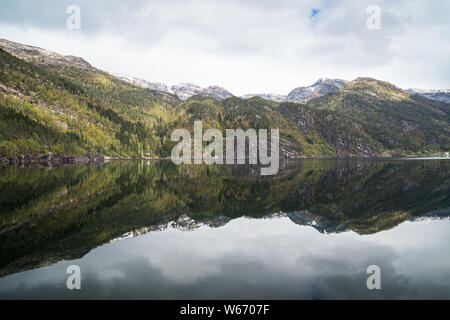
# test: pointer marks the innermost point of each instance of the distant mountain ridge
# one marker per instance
(303, 94)
(268, 96)
(183, 90)
(438, 95)
(186, 90)
(317, 89)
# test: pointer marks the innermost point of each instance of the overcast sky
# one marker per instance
(248, 46)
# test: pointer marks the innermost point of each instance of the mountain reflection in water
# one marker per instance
(308, 232)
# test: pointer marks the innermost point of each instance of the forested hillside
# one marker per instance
(70, 108)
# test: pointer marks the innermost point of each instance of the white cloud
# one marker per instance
(254, 258)
(251, 46)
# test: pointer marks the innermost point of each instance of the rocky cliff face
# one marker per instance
(303, 118)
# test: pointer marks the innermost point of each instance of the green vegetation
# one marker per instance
(76, 112)
(73, 111)
(384, 118)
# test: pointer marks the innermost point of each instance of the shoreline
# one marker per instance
(59, 160)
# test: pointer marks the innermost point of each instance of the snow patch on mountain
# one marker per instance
(267, 96)
(183, 90)
(438, 95)
(317, 89)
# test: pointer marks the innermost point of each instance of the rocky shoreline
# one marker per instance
(52, 159)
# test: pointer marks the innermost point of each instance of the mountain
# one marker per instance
(317, 89)
(158, 86)
(216, 92)
(183, 90)
(303, 94)
(300, 94)
(57, 104)
(368, 116)
(187, 90)
(42, 57)
(61, 107)
(439, 95)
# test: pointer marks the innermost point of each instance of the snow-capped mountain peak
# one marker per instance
(318, 88)
(185, 90)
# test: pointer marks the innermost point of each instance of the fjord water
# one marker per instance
(150, 229)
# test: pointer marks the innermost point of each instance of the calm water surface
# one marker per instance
(159, 231)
